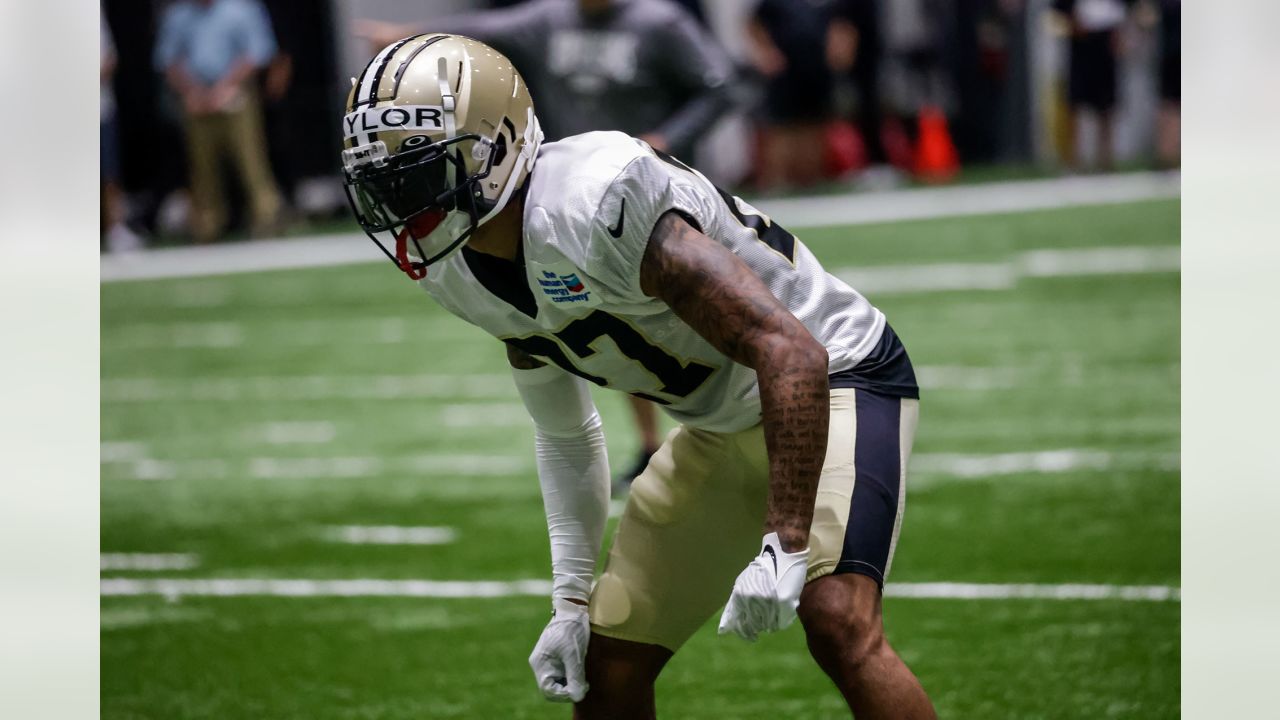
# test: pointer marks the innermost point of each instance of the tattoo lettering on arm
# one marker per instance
(520, 359)
(715, 292)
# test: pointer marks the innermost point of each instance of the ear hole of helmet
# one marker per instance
(499, 151)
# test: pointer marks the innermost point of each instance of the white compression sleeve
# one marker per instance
(573, 470)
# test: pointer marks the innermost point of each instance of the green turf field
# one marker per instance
(247, 419)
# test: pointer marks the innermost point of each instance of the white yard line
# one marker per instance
(120, 618)
(295, 388)
(122, 451)
(158, 336)
(985, 591)
(938, 277)
(232, 587)
(324, 468)
(964, 466)
(310, 468)
(862, 208)
(321, 432)
(391, 535)
(968, 466)
(147, 562)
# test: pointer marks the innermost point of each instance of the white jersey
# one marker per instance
(574, 297)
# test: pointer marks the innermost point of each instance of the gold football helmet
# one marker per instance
(439, 134)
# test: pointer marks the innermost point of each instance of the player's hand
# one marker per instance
(559, 658)
(766, 594)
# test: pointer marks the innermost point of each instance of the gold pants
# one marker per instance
(234, 134)
(695, 517)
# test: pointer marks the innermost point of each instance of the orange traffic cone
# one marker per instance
(936, 159)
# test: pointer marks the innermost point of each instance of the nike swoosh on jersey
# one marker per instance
(616, 230)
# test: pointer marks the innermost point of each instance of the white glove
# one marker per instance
(559, 658)
(766, 594)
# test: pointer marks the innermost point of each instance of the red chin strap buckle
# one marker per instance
(418, 227)
(402, 258)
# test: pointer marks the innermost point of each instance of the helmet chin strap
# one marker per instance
(452, 232)
(414, 271)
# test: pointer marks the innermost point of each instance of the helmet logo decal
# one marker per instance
(393, 117)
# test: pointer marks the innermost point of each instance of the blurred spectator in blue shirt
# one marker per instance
(210, 51)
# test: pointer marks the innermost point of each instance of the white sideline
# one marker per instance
(234, 587)
(801, 212)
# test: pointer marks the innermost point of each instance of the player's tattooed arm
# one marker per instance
(715, 292)
(520, 359)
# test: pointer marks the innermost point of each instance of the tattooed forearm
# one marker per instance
(520, 359)
(713, 291)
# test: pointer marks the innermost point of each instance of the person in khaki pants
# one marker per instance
(209, 51)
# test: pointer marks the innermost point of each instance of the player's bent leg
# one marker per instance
(845, 632)
(692, 517)
(857, 514)
(620, 678)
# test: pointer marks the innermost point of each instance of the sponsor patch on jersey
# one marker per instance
(562, 284)
(393, 117)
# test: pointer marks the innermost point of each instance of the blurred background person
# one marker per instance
(1095, 39)
(643, 67)
(788, 40)
(279, 101)
(918, 80)
(116, 235)
(854, 50)
(210, 52)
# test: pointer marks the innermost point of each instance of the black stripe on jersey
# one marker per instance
(504, 280)
(670, 159)
(770, 233)
(395, 88)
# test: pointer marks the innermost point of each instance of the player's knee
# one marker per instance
(842, 627)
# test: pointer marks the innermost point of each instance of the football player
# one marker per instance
(597, 258)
